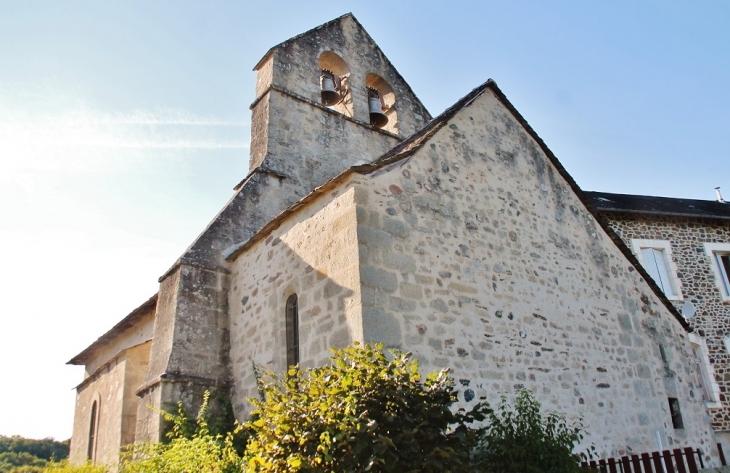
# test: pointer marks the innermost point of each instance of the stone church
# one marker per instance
(460, 238)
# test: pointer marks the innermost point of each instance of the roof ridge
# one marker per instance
(369, 37)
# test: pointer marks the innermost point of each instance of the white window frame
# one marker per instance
(722, 280)
(666, 248)
(707, 372)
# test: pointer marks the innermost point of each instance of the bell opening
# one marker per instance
(331, 88)
(375, 106)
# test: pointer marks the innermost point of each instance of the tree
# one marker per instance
(520, 439)
(364, 412)
(44, 449)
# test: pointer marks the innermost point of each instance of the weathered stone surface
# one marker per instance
(694, 270)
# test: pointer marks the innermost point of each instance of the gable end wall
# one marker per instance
(485, 261)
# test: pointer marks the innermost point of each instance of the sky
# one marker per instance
(124, 126)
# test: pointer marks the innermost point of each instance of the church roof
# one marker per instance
(127, 322)
(647, 204)
(416, 141)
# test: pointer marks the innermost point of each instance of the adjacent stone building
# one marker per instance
(686, 244)
(459, 238)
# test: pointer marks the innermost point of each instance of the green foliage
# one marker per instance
(65, 467)
(22, 455)
(216, 412)
(44, 449)
(192, 447)
(16, 462)
(363, 412)
(520, 439)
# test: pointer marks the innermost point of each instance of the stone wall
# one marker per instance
(314, 255)
(137, 360)
(113, 387)
(294, 66)
(477, 255)
(138, 333)
(190, 347)
(712, 319)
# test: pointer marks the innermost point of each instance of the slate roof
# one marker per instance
(124, 324)
(647, 204)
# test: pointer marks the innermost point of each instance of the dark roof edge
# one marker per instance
(588, 203)
(612, 202)
(93, 376)
(331, 22)
(402, 150)
(666, 214)
(417, 140)
(133, 316)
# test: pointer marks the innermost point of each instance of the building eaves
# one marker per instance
(652, 205)
(125, 323)
(416, 141)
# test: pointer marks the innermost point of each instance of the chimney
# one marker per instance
(719, 196)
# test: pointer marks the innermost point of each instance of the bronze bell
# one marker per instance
(328, 84)
(375, 106)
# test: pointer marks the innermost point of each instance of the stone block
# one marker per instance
(399, 262)
(411, 291)
(401, 305)
(378, 278)
(373, 236)
(379, 326)
(395, 227)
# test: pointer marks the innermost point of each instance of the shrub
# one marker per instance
(363, 412)
(188, 450)
(65, 467)
(520, 439)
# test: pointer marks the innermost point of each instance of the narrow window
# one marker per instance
(92, 431)
(704, 371)
(700, 370)
(292, 331)
(675, 413)
(723, 263)
(719, 254)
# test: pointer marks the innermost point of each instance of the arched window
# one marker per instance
(292, 331)
(93, 427)
(334, 83)
(379, 90)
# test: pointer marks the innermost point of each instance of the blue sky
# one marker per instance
(124, 126)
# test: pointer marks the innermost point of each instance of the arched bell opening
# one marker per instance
(334, 83)
(381, 103)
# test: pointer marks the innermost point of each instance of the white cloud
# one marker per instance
(41, 130)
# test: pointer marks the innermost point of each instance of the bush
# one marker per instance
(363, 412)
(521, 440)
(188, 450)
(65, 467)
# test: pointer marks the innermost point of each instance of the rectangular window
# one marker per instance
(656, 258)
(704, 372)
(675, 413)
(719, 254)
